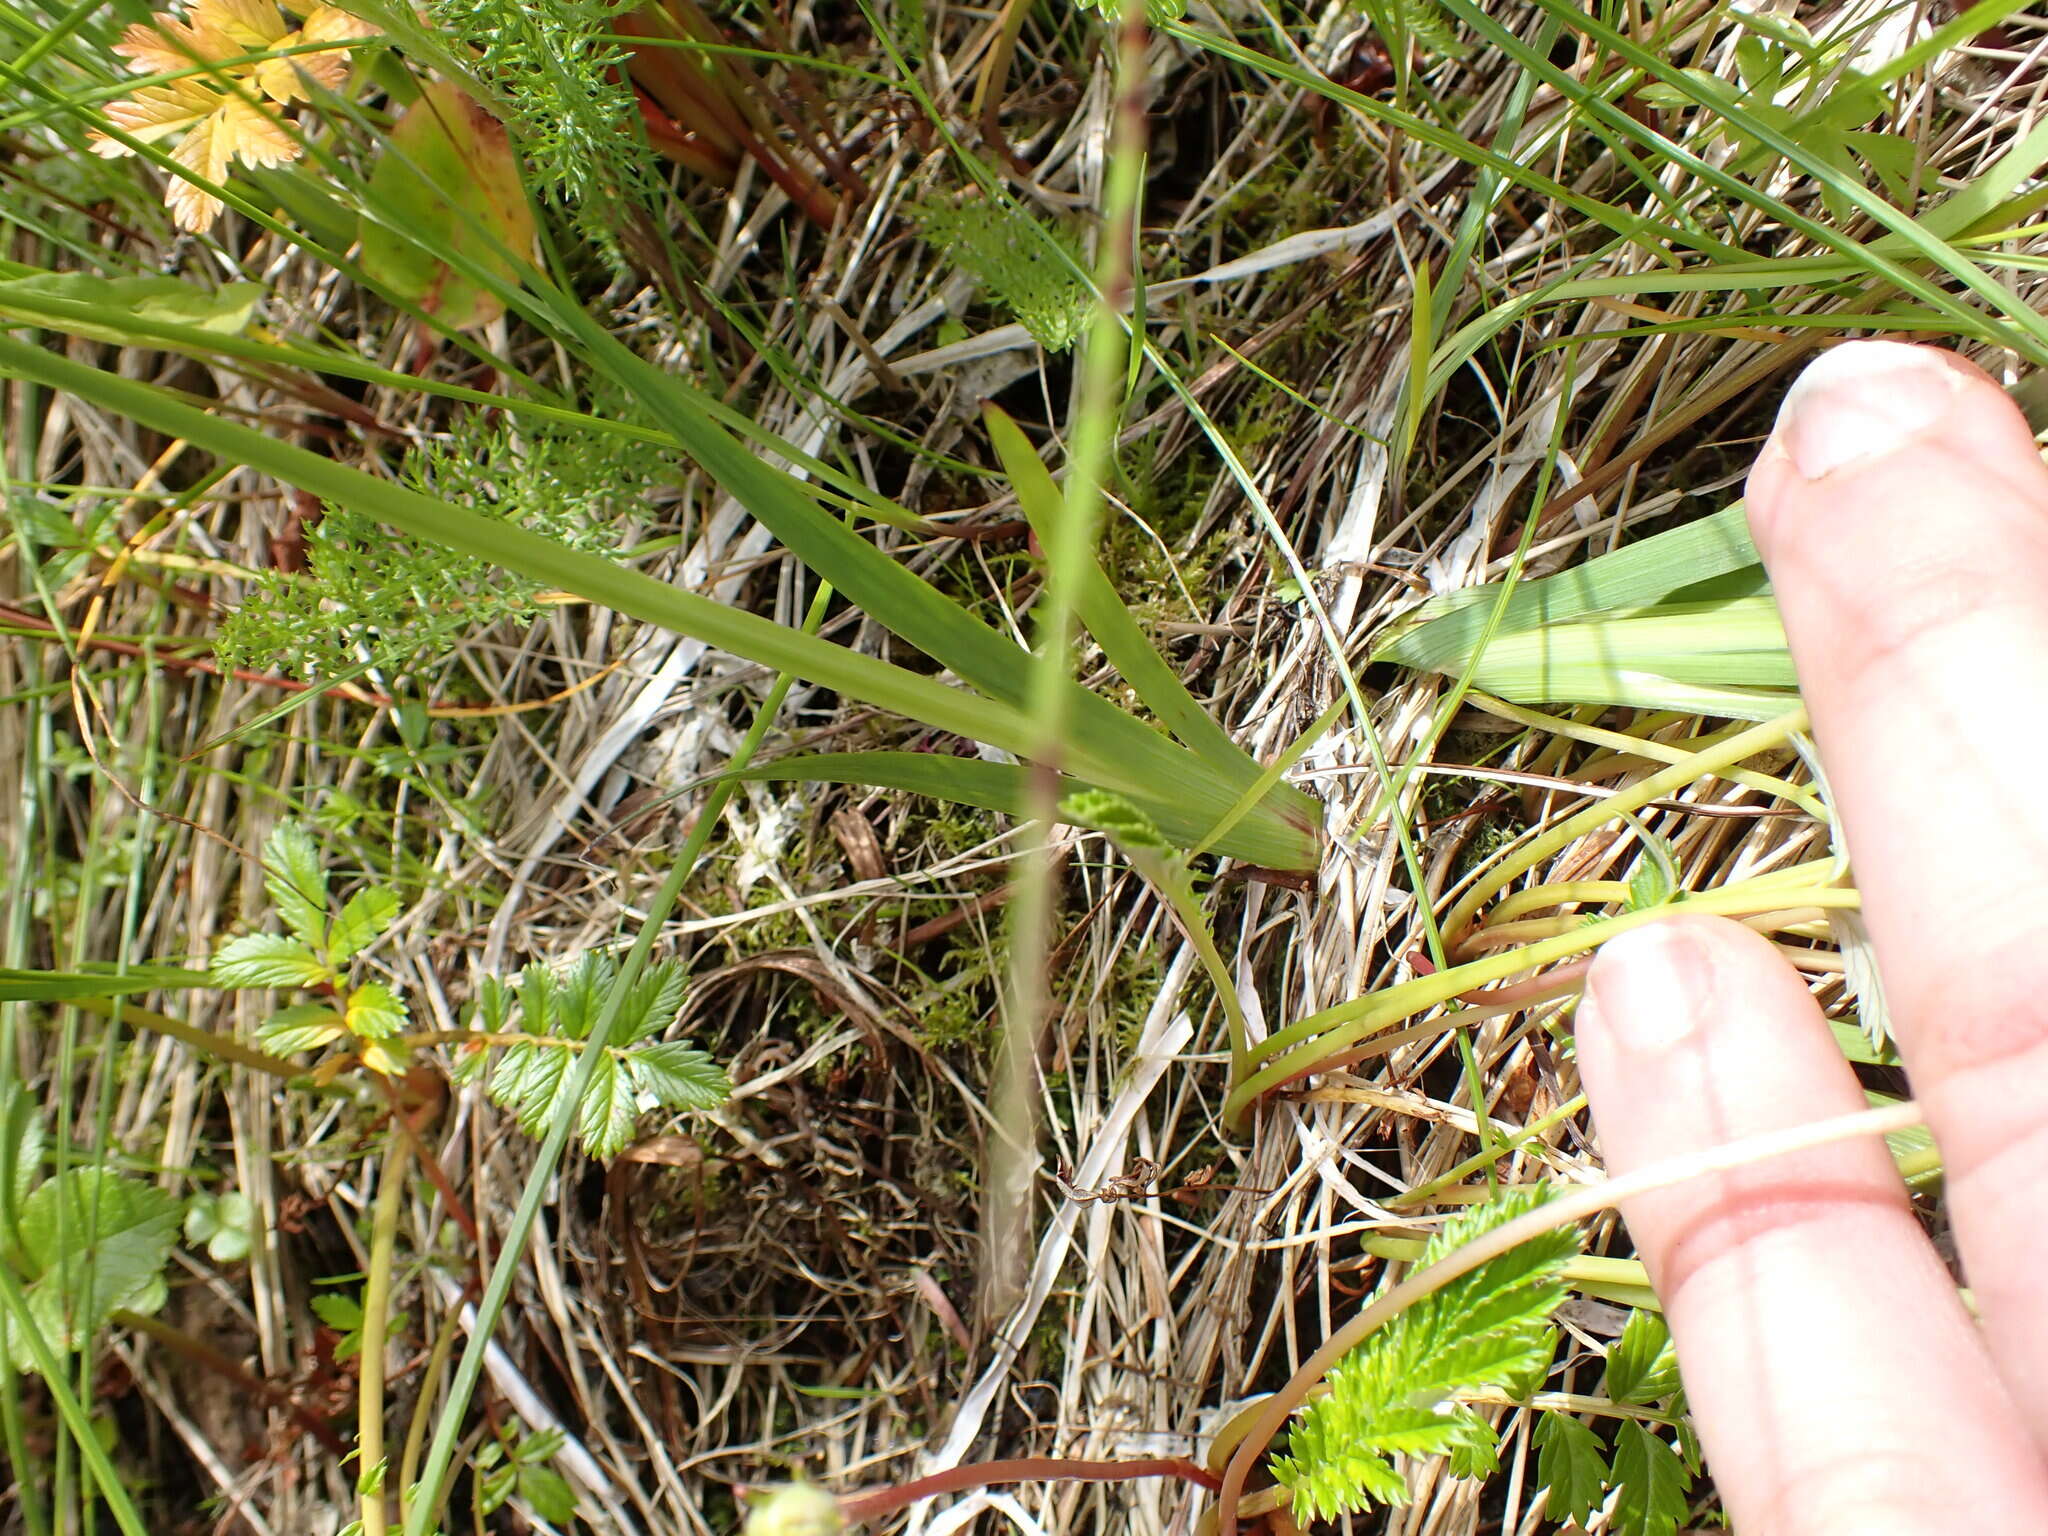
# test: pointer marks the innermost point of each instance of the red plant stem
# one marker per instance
(1023, 1469)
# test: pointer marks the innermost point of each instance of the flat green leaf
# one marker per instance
(1656, 878)
(1653, 1481)
(344, 1314)
(301, 1027)
(448, 172)
(56, 986)
(92, 1242)
(364, 917)
(527, 1081)
(1004, 787)
(679, 1076)
(225, 1223)
(375, 1012)
(83, 300)
(548, 1492)
(266, 960)
(1642, 1365)
(1669, 568)
(297, 882)
(604, 1119)
(1571, 1463)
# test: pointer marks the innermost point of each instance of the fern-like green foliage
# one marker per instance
(557, 1011)
(1395, 1393)
(371, 598)
(1426, 23)
(1016, 259)
(555, 71)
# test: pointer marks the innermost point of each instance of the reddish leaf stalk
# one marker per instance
(879, 1502)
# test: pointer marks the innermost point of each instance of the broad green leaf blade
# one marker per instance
(1570, 1464)
(680, 1076)
(446, 179)
(92, 1241)
(1642, 1365)
(1440, 634)
(1123, 641)
(375, 1012)
(1653, 1482)
(266, 960)
(57, 986)
(101, 307)
(604, 1118)
(1185, 817)
(363, 918)
(297, 882)
(1726, 658)
(301, 1027)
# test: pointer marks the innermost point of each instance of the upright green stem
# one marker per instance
(370, 1468)
(1068, 551)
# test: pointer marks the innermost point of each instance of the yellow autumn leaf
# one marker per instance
(219, 115)
(156, 112)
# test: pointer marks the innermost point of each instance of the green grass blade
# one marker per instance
(1132, 759)
(1442, 633)
(62, 986)
(1123, 641)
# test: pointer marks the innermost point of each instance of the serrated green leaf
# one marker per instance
(1571, 1463)
(548, 1492)
(344, 1314)
(267, 960)
(1115, 817)
(1653, 1482)
(375, 1012)
(363, 918)
(656, 999)
(604, 1120)
(680, 1076)
(92, 1241)
(297, 882)
(1642, 1365)
(301, 1027)
(526, 1082)
(1476, 1455)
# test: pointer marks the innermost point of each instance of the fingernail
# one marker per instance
(1647, 988)
(1861, 400)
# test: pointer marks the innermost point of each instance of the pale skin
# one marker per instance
(1901, 507)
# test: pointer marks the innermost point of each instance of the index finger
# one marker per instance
(1902, 511)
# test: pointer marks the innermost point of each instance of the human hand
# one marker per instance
(1838, 1384)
